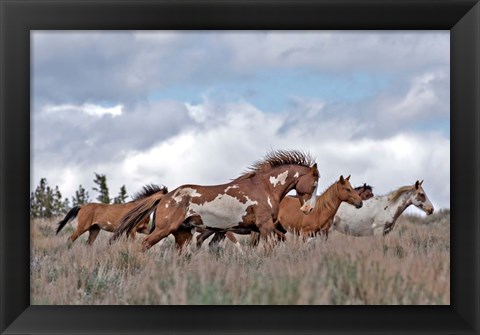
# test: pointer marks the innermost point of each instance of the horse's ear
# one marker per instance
(342, 180)
(314, 166)
(348, 178)
(416, 184)
(421, 182)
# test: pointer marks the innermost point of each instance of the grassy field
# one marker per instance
(409, 266)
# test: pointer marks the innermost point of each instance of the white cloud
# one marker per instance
(219, 153)
(381, 140)
(422, 97)
(89, 109)
(130, 65)
(336, 51)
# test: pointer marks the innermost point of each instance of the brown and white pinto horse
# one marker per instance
(93, 217)
(252, 200)
(365, 192)
(321, 218)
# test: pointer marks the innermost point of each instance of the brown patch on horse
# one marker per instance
(251, 199)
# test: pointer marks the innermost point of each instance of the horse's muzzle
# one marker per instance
(429, 210)
(359, 205)
(306, 208)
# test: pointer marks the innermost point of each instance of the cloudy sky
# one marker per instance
(199, 107)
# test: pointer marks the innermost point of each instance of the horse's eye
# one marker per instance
(349, 190)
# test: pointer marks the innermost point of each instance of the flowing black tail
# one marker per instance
(72, 214)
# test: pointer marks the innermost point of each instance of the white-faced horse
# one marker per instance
(252, 200)
(379, 214)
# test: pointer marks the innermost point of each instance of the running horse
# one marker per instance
(250, 201)
(365, 192)
(380, 213)
(318, 222)
(94, 217)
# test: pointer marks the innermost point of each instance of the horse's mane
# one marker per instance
(278, 158)
(365, 186)
(148, 190)
(326, 197)
(394, 195)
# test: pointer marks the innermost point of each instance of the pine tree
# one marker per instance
(101, 181)
(81, 197)
(59, 206)
(46, 202)
(34, 207)
(122, 196)
(43, 199)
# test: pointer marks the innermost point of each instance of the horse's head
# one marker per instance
(419, 198)
(306, 188)
(365, 191)
(347, 193)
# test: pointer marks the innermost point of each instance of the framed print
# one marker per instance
(265, 91)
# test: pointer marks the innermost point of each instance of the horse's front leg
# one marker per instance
(203, 236)
(254, 239)
(266, 227)
(182, 237)
(280, 236)
(378, 228)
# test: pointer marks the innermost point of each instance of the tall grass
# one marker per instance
(411, 265)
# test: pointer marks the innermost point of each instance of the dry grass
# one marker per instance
(410, 266)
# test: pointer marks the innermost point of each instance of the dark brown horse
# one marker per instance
(251, 200)
(365, 191)
(93, 217)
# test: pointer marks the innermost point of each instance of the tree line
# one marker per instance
(47, 202)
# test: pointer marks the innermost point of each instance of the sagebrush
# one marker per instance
(411, 265)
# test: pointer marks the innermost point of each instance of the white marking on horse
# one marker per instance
(313, 199)
(281, 178)
(296, 174)
(166, 205)
(269, 202)
(229, 187)
(185, 192)
(224, 211)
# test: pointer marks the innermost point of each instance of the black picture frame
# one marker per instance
(19, 17)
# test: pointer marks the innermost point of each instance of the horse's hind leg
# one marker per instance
(214, 244)
(167, 222)
(79, 231)
(93, 233)
(203, 236)
(234, 240)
